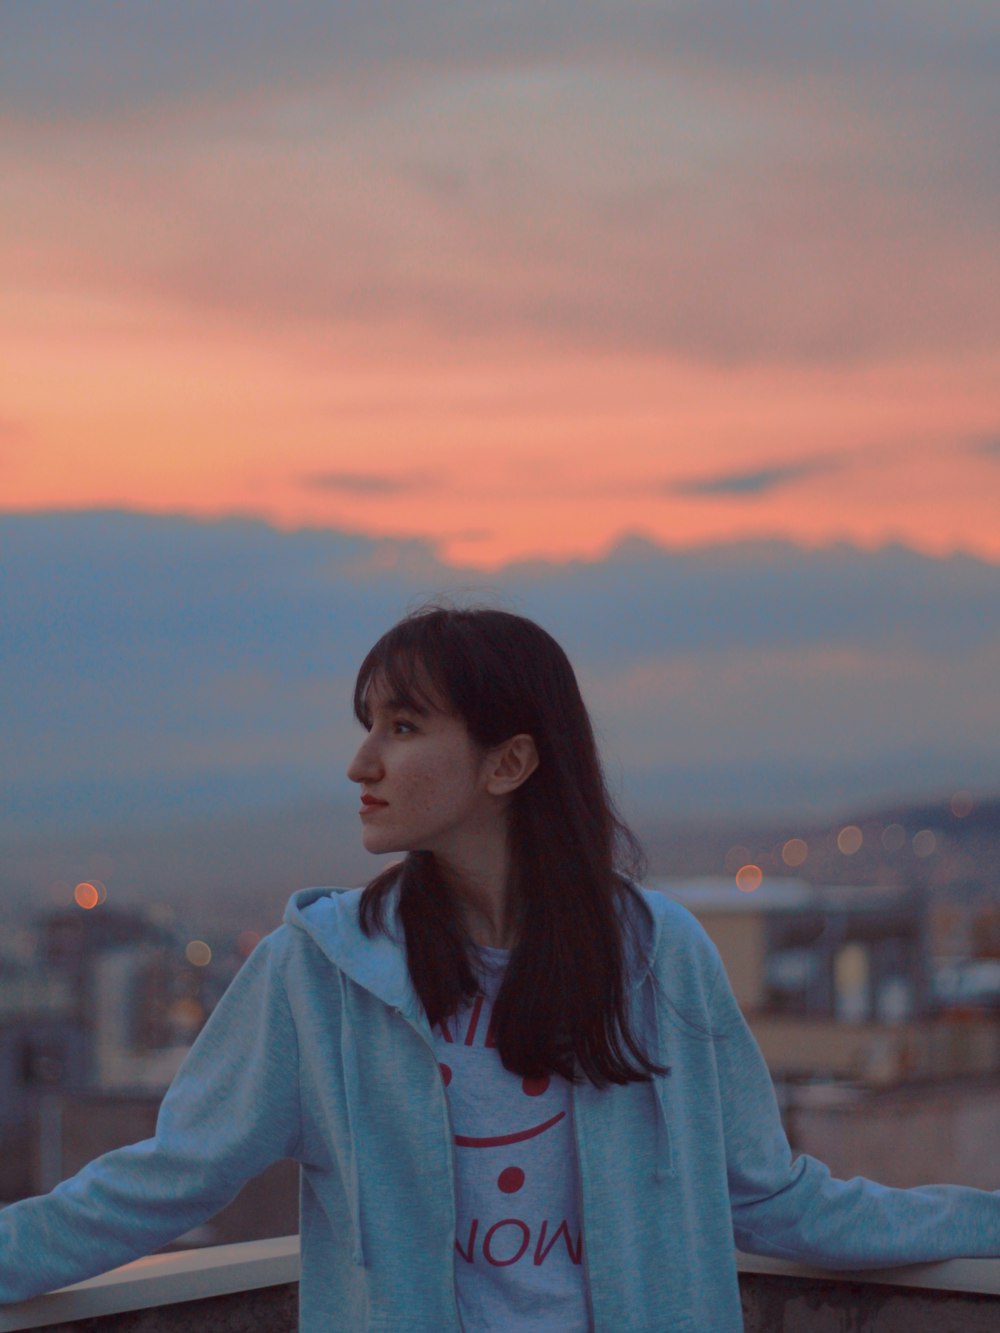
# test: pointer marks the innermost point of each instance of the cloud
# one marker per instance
(674, 179)
(163, 664)
(115, 58)
(363, 483)
(988, 448)
(757, 481)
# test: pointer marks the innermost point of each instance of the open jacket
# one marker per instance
(320, 1051)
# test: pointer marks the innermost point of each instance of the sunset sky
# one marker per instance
(515, 279)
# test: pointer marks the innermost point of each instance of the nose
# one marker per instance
(366, 766)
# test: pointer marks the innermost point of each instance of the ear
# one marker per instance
(511, 764)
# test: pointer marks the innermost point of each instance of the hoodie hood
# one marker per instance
(329, 916)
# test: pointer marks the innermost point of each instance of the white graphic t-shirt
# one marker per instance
(518, 1241)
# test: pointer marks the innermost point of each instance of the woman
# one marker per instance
(519, 1087)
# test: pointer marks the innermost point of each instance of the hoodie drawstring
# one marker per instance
(349, 1060)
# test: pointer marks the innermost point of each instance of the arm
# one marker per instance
(230, 1112)
(796, 1210)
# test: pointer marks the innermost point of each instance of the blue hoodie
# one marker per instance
(320, 1051)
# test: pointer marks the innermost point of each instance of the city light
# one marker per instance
(187, 1014)
(795, 852)
(198, 953)
(893, 837)
(924, 843)
(849, 839)
(86, 895)
(748, 878)
(962, 804)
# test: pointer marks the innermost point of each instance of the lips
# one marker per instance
(369, 804)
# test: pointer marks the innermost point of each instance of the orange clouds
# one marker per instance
(526, 307)
(497, 451)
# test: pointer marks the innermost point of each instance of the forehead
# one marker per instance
(414, 692)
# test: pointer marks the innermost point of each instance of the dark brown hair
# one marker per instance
(562, 1006)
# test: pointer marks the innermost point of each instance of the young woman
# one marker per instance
(519, 1087)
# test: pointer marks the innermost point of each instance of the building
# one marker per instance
(867, 1019)
(42, 1048)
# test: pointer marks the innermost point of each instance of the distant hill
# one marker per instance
(947, 843)
(238, 872)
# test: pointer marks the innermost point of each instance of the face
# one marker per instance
(422, 781)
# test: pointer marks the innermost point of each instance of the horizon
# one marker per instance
(211, 869)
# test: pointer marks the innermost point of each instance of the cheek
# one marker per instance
(447, 779)
(417, 783)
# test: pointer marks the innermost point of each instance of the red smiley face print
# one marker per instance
(512, 1177)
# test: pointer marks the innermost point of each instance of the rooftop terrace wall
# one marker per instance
(252, 1288)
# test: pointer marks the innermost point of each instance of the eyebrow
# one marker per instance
(395, 704)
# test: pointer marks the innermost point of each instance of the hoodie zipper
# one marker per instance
(450, 1144)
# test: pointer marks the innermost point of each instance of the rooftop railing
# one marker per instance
(253, 1287)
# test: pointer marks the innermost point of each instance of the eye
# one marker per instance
(402, 727)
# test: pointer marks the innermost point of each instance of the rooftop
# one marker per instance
(252, 1287)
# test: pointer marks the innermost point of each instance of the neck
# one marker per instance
(480, 890)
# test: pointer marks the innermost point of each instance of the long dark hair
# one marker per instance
(562, 1006)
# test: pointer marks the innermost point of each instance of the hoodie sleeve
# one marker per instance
(794, 1209)
(230, 1112)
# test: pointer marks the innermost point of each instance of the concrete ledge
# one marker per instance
(267, 1310)
(253, 1286)
(162, 1279)
(981, 1276)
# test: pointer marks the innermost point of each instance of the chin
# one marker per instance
(378, 846)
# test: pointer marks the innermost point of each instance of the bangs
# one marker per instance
(409, 668)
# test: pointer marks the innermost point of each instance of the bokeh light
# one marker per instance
(187, 1014)
(198, 953)
(748, 878)
(893, 837)
(86, 895)
(962, 804)
(849, 839)
(795, 851)
(924, 842)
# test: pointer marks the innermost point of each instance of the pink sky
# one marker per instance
(517, 306)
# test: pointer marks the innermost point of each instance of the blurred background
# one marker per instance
(674, 327)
